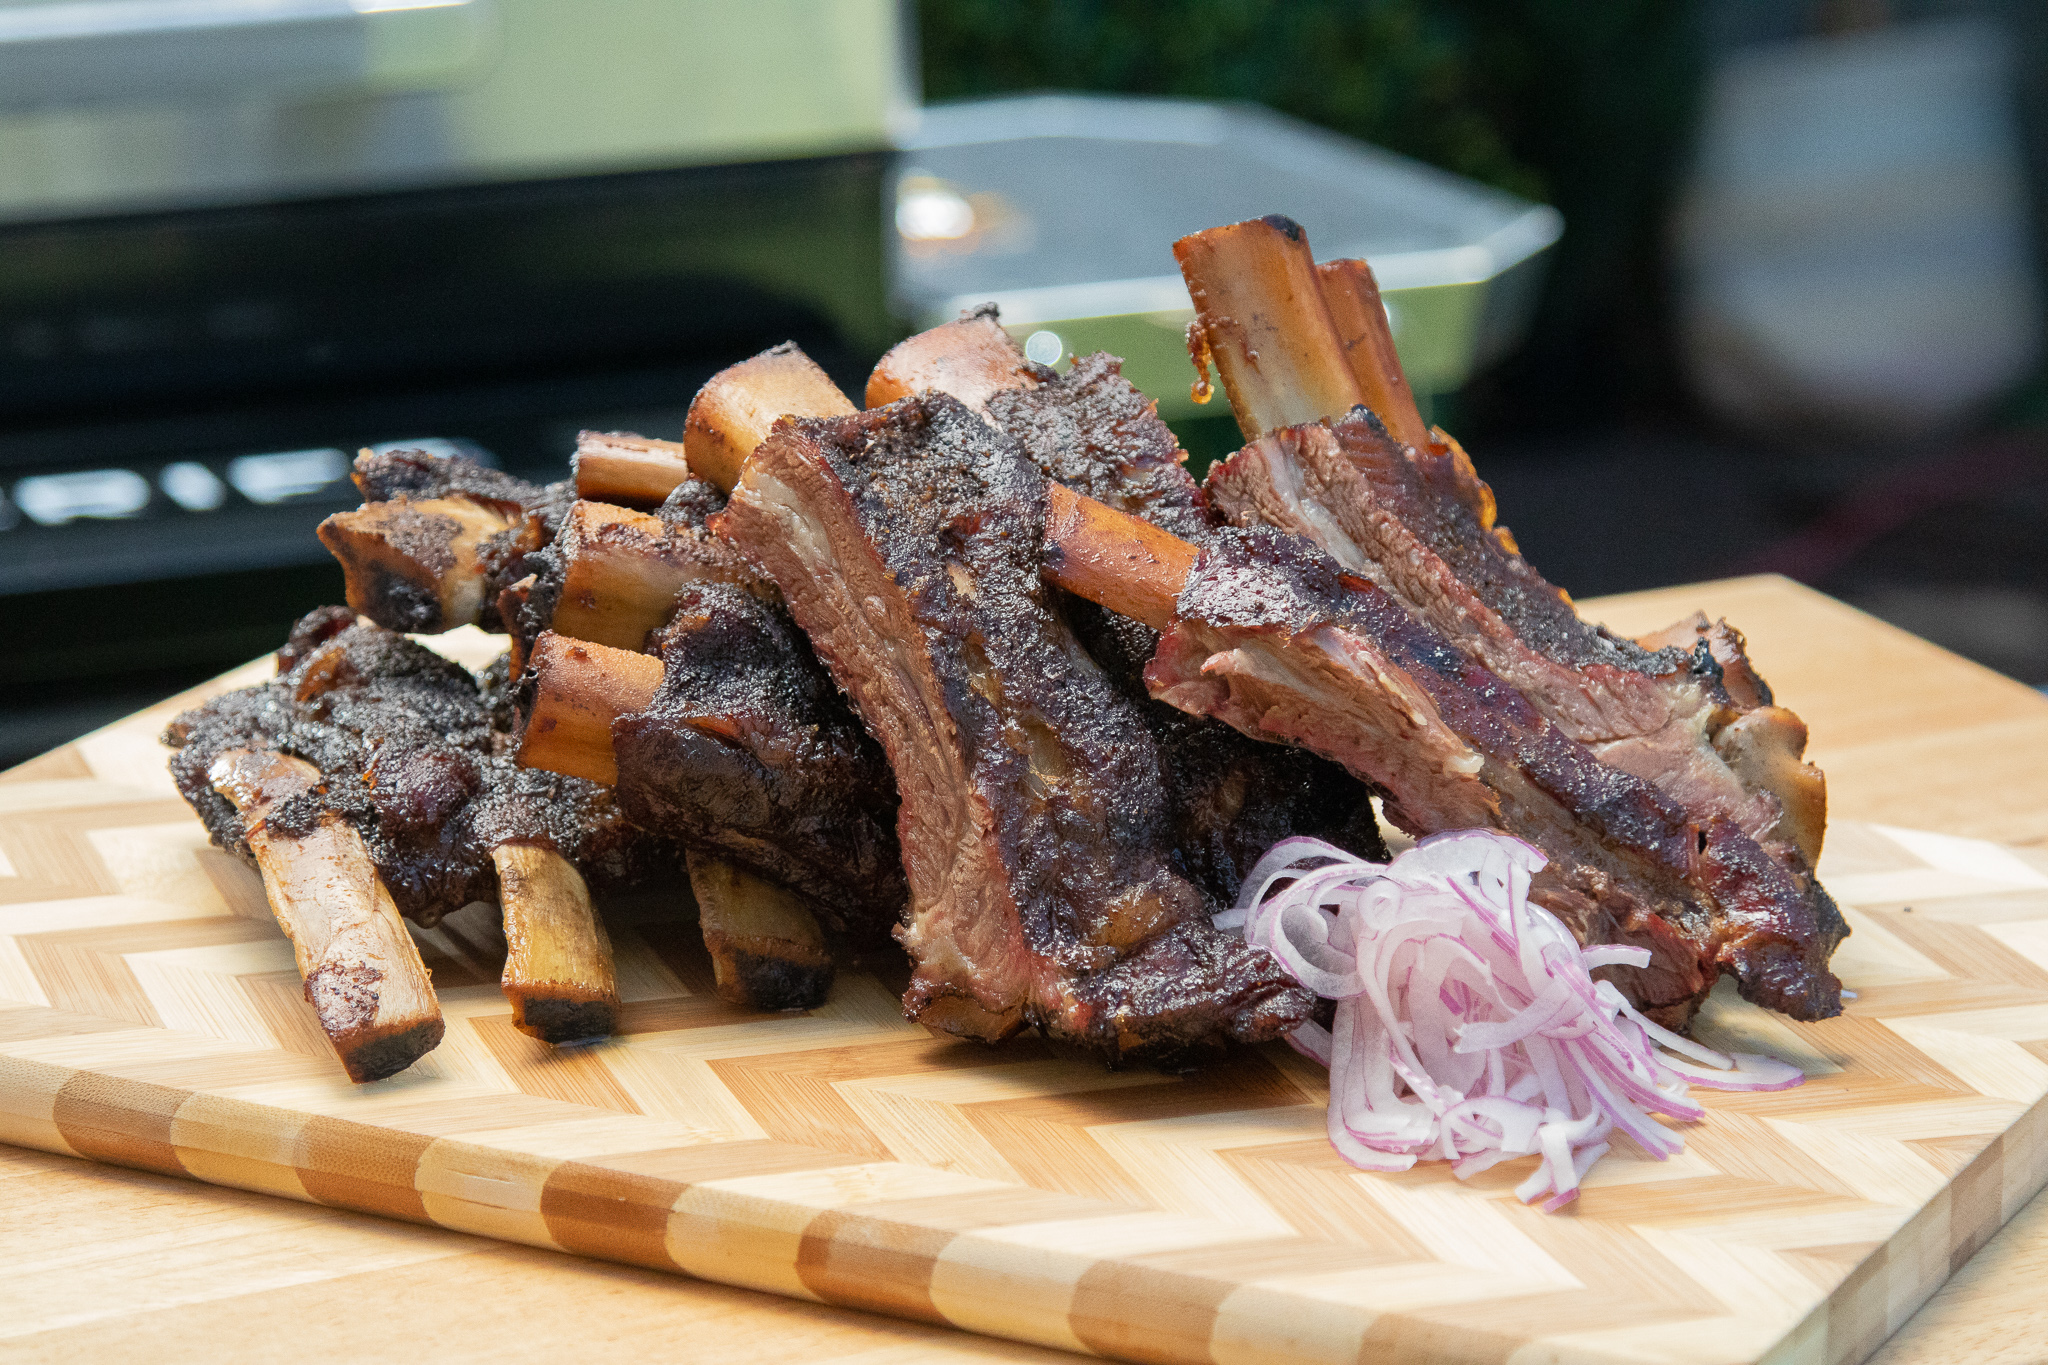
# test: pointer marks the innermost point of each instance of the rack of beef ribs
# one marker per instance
(735, 815)
(396, 766)
(1265, 631)
(1035, 827)
(1413, 515)
(731, 737)
(774, 775)
(1231, 797)
(1303, 351)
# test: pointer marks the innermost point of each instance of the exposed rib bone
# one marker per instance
(734, 411)
(970, 359)
(1353, 298)
(1129, 566)
(579, 689)
(1259, 303)
(363, 973)
(412, 565)
(618, 466)
(766, 951)
(558, 960)
(621, 575)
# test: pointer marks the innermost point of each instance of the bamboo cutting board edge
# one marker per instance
(891, 1237)
(945, 1246)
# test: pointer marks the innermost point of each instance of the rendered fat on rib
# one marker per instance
(907, 543)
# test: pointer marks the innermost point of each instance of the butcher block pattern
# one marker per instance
(150, 1016)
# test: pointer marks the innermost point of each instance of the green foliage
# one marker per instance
(1401, 73)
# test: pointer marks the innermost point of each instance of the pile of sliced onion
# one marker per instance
(1468, 1025)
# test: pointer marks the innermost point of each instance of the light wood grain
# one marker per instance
(166, 1270)
(1922, 698)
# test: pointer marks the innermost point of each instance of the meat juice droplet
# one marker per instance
(1198, 352)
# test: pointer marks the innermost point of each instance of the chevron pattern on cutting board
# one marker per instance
(150, 1016)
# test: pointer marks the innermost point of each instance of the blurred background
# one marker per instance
(1706, 286)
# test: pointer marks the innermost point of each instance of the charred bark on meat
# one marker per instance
(409, 756)
(439, 538)
(1232, 797)
(1092, 432)
(748, 750)
(1404, 509)
(1035, 824)
(1275, 637)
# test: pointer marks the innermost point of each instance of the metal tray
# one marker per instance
(1062, 210)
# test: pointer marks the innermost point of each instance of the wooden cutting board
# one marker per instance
(150, 1016)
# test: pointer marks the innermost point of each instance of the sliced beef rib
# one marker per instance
(1035, 825)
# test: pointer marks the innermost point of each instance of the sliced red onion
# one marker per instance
(1468, 1025)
